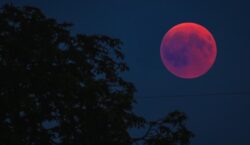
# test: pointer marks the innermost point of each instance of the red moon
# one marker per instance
(188, 50)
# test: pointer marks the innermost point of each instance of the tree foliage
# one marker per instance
(59, 88)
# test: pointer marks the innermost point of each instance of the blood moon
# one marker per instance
(188, 50)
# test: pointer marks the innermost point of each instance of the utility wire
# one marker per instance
(196, 95)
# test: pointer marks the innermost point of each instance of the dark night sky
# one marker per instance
(141, 24)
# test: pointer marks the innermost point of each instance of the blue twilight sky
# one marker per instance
(141, 24)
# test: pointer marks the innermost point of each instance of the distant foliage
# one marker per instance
(59, 89)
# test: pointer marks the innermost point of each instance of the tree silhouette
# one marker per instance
(60, 89)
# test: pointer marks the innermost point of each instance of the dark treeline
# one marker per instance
(60, 89)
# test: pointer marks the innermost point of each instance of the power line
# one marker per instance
(197, 95)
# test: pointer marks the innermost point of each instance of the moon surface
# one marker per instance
(188, 50)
